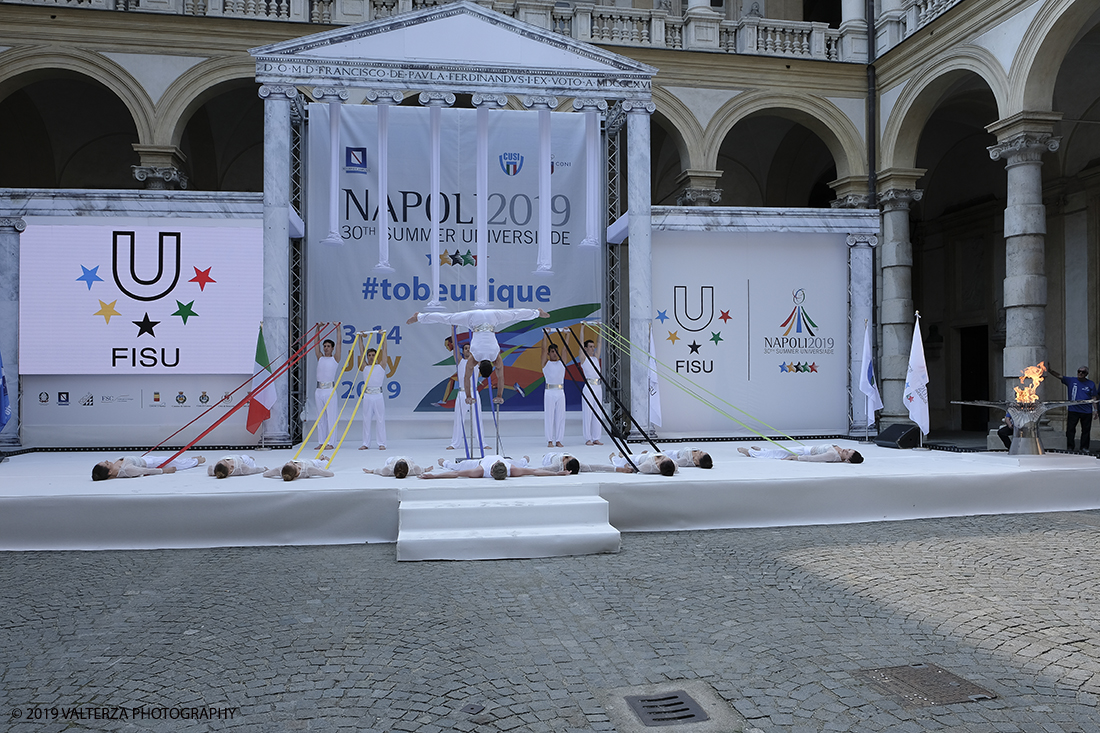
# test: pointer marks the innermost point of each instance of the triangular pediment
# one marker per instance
(451, 40)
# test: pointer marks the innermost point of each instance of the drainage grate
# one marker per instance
(672, 708)
(923, 685)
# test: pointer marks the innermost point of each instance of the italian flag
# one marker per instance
(261, 398)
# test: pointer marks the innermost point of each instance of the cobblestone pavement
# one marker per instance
(775, 620)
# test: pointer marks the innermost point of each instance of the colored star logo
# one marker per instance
(673, 336)
(444, 258)
(90, 276)
(783, 367)
(694, 347)
(202, 277)
(813, 367)
(185, 311)
(145, 326)
(456, 258)
(469, 258)
(725, 316)
(662, 316)
(107, 310)
(716, 337)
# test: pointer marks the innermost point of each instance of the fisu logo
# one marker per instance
(127, 278)
(705, 315)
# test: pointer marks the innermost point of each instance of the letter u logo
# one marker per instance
(706, 308)
(137, 287)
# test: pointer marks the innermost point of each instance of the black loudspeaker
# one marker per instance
(899, 436)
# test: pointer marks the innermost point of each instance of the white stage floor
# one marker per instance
(49, 502)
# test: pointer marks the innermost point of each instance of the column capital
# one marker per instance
(489, 101)
(861, 240)
(12, 222)
(550, 103)
(330, 94)
(692, 196)
(587, 104)
(898, 199)
(632, 107)
(380, 98)
(436, 99)
(159, 177)
(1024, 147)
(275, 91)
(852, 201)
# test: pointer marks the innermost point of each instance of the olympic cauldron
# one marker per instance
(1025, 411)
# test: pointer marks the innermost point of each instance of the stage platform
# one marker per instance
(49, 502)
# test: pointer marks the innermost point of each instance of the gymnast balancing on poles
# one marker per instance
(484, 348)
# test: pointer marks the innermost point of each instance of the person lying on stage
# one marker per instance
(653, 463)
(135, 466)
(484, 347)
(243, 465)
(497, 467)
(308, 468)
(688, 457)
(397, 467)
(567, 462)
(806, 454)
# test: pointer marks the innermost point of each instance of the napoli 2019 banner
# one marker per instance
(343, 284)
(756, 325)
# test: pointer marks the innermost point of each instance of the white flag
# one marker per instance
(654, 386)
(867, 383)
(916, 382)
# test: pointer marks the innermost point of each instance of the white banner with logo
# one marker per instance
(129, 327)
(751, 331)
(344, 285)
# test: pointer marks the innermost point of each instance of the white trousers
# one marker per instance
(327, 417)
(591, 427)
(462, 423)
(553, 407)
(373, 410)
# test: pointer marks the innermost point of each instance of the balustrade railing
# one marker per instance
(604, 24)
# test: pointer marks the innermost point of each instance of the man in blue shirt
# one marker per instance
(1079, 388)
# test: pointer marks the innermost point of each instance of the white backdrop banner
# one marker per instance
(130, 328)
(343, 284)
(172, 296)
(757, 320)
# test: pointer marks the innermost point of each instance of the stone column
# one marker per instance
(161, 166)
(861, 278)
(484, 103)
(277, 99)
(897, 314)
(435, 102)
(1021, 144)
(701, 27)
(638, 198)
(10, 227)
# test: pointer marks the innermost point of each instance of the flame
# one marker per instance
(1035, 374)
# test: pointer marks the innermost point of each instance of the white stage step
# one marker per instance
(503, 521)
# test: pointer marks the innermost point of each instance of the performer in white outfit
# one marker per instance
(591, 427)
(553, 396)
(397, 467)
(463, 406)
(567, 462)
(651, 463)
(806, 454)
(690, 457)
(463, 464)
(483, 343)
(135, 466)
(242, 465)
(374, 400)
(328, 366)
(307, 468)
(497, 467)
